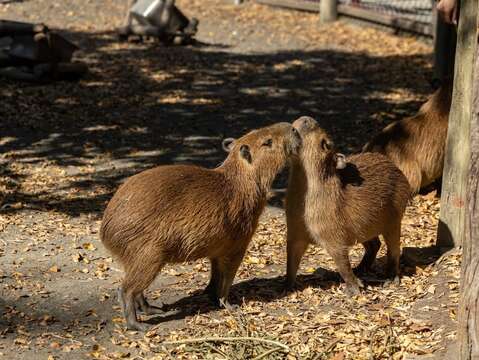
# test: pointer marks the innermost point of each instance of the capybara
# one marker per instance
(338, 202)
(179, 213)
(417, 144)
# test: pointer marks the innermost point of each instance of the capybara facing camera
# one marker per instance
(179, 213)
(338, 202)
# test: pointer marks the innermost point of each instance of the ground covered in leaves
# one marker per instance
(65, 147)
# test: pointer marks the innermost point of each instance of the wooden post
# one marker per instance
(328, 10)
(456, 162)
(468, 334)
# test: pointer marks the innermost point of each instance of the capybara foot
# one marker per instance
(152, 310)
(291, 285)
(137, 326)
(353, 288)
(393, 281)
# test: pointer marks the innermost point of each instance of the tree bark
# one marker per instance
(468, 334)
(456, 162)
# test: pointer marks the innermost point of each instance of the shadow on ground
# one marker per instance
(145, 105)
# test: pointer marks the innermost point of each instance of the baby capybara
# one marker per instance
(179, 213)
(417, 144)
(338, 202)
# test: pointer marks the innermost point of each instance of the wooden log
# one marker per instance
(456, 162)
(468, 335)
(328, 10)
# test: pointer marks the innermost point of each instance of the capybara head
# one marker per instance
(316, 144)
(264, 151)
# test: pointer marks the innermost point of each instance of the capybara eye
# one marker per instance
(325, 145)
(245, 153)
(268, 143)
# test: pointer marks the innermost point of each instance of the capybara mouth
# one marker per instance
(295, 143)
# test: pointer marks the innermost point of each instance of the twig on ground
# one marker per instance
(227, 339)
(266, 353)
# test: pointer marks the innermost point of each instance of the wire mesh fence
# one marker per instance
(411, 15)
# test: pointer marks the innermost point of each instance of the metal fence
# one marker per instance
(410, 15)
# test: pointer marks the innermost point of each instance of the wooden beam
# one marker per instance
(456, 162)
(468, 334)
(385, 19)
(358, 13)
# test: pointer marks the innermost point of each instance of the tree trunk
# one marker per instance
(456, 162)
(468, 334)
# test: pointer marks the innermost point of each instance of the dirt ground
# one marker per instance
(65, 147)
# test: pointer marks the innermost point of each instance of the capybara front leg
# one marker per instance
(371, 248)
(213, 287)
(229, 266)
(296, 246)
(392, 238)
(341, 258)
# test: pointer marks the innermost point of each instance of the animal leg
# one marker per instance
(297, 244)
(229, 266)
(215, 280)
(392, 238)
(341, 258)
(143, 305)
(371, 248)
(138, 277)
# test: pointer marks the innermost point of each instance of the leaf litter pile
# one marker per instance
(65, 148)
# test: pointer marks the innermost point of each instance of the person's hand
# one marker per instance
(447, 9)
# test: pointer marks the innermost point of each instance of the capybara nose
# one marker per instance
(304, 123)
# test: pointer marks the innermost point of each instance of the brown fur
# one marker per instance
(178, 213)
(416, 144)
(337, 208)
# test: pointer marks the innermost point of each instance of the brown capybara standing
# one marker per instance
(338, 202)
(179, 213)
(417, 144)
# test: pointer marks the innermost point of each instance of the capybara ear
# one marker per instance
(245, 153)
(228, 143)
(340, 161)
(325, 145)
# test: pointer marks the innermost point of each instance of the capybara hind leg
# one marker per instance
(371, 248)
(213, 287)
(129, 311)
(137, 278)
(295, 251)
(341, 258)
(143, 306)
(392, 239)
(229, 266)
